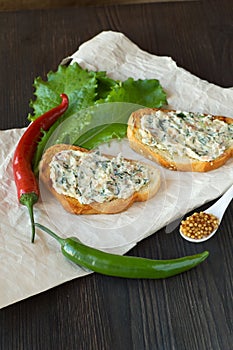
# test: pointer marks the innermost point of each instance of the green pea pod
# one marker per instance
(123, 266)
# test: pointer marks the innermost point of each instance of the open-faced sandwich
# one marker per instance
(182, 141)
(87, 182)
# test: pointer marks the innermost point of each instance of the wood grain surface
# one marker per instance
(192, 311)
(9, 5)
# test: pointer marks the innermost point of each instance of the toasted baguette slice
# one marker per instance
(109, 207)
(163, 157)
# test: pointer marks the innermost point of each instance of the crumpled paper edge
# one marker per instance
(120, 63)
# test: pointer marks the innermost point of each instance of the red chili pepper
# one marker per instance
(25, 179)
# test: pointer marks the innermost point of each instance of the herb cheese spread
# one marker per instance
(187, 134)
(91, 177)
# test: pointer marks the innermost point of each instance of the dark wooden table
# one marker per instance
(190, 311)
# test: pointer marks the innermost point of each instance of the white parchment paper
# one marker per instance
(28, 269)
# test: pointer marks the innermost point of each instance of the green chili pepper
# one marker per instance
(122, 266)
(101, 134)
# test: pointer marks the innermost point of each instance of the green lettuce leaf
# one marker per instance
(79, 85)
(84, 89)
(148, 93)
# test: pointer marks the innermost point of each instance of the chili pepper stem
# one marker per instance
(31, 214)
(51, 233)
(29, 199)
